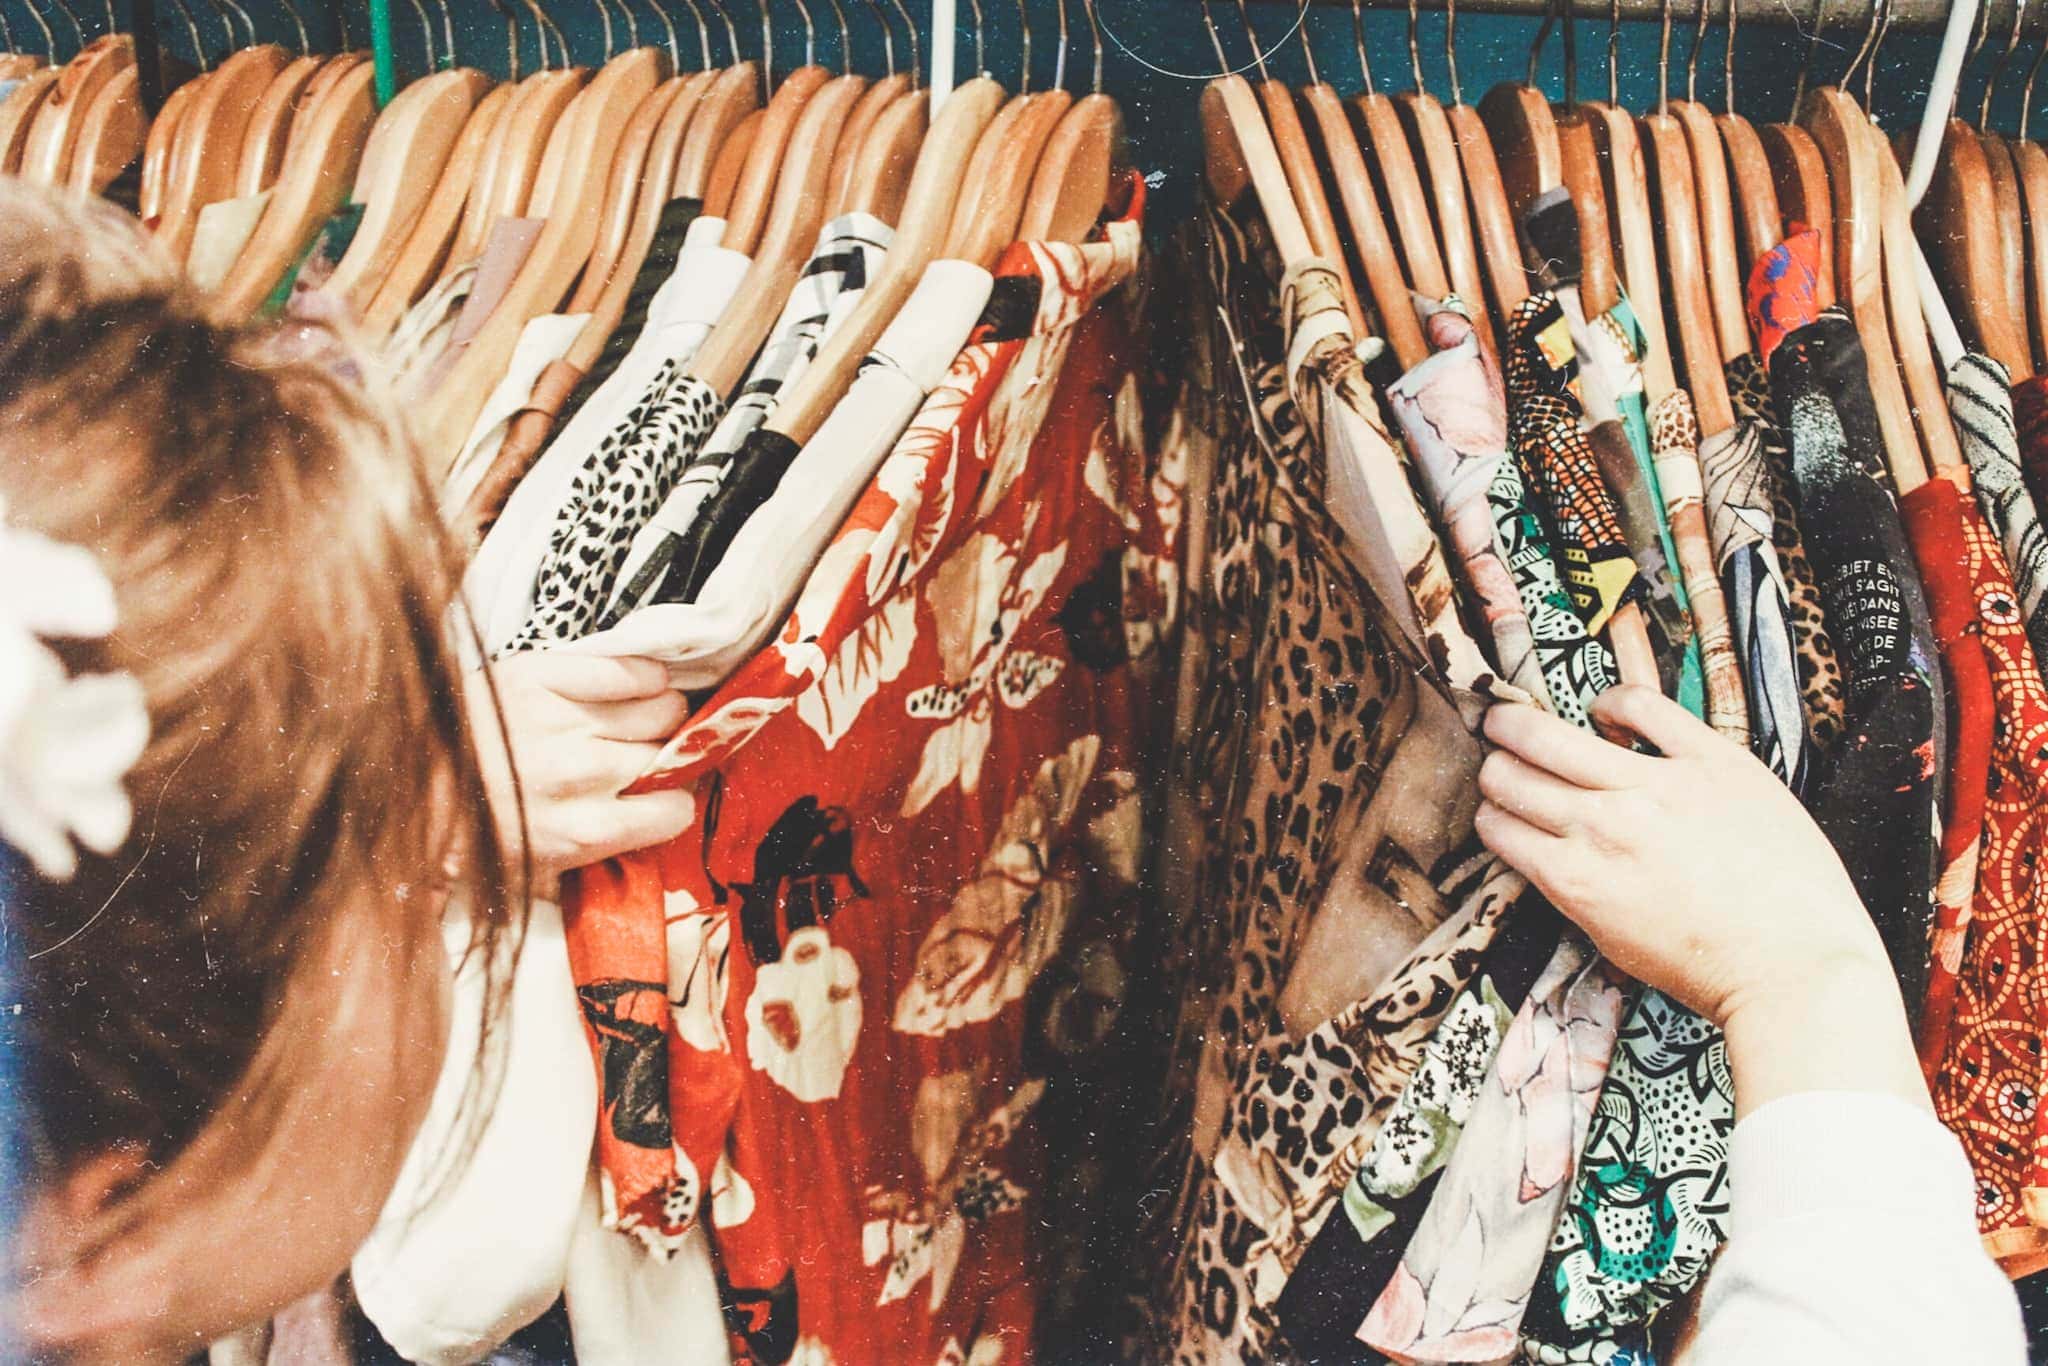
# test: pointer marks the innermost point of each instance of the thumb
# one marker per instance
(1633, 712)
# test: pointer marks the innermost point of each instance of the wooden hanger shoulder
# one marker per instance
(419, 130)
(209, 147)
(15, 65)
(991, 202)
(1243, 146)
(111, 134)
(1958, 222)
(1755, 195)
(2031, 162)
(888, 158)
(1500, 244)
(1360, 200)
(474, 222)
(1925, 392)
(1671, 169)
(622, 193)
(53, 136)
(559, 253)
(156, 147)
(1524, 135)
(1384, 144)
(530, 129)
(1578, 155)
(1626, 178)
(315, 181)
(735, 94)
(1429, 128)
(920, 235)
(1086, 157)
(878, 96)
(752, 196)
(18, 113)
(433, 232)
(724, 181)
(1799, 174)
(2012, 232)
(786, 240)
(1305, 180)
(1716, 204)
(269, 123)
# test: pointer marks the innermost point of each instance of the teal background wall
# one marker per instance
(1156, 52)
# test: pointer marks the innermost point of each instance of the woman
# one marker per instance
(224, 673)
(225, 877)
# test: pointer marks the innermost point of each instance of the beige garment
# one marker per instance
(224, 228)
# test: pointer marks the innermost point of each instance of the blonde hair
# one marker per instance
(283, 587)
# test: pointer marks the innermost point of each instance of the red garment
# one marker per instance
(1936, 524)
(914, 809)
(1784, 289)
(1986, 1087)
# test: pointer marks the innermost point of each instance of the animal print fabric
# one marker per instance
(1980, 402)
(830, 1013)
(1675, 440)
(1821, 691)
(619, 488)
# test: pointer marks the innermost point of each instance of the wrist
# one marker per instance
(1832, 1022)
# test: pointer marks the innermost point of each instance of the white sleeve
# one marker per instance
(1853, 1242)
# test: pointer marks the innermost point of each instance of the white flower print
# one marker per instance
(699, 951)
(1008, 921)
(803, 1018)
(732, 1198)
(978, 600)
(986, 1350)
(812, 1352)
(864, 661)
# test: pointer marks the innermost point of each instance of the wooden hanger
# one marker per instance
(1579, 161)
(1384, 278)
(2012, 230)
(15, 65)
(1499, 242)
(560, 252)
(622, 193)
(657, 184)
(512, 158)
(1084, 160)
(1384, 144)
(1625, 178)
(1725, 280)
(1958, 222)
(999, 176)
(724, 182)
(1925, 392)
(2030, 160)
(878, 97)
(110, 138)
(317, 173)
(412, 142)
(1838, 128)
(209, 142)
(747, 216)
(156, 147)
(921, 233)
(53, 136)
(1305, 181)
(881, 177)
(734, 94)
(18, 114)
(433, 232)
(786, 240)
(1524, 136)
(270, 121)
(1429, 129)
(1692, 310)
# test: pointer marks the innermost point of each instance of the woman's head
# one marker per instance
(228, 1027)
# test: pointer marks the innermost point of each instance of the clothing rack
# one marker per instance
(1839, 16)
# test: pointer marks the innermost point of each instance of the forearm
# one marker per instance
(1834, 1024)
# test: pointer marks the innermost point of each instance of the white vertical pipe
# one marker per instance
(942, 52)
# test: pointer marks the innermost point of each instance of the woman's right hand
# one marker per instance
(581, 727)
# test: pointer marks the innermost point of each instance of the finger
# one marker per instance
(1643, 713)
(1571, 752)
(653, 818)
(585, 766)
(1542, 799)
(644, 718)
(1528, 849)
(599, 678)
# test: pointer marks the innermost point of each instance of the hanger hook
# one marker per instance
(1664, 59)
(1216, 39)
(1414, 42)
(298, 26)
(1451, 50)
(544, 24)
(1024, 42)
(1357, 38)
(1571, 52)
(1863, 49)
(419, 10)
(732, 33)
(668, 28)
(447, 30)
(1820, 20)
(184, 12)
(7, 32)
(1095, 41)
(220, 12)
(810, 32)
(1308, 54)
(845, 35)
(1884, 30)
(2019, 13)
(980, 39)
(705, 61)
(1614, 53)
(504, 8)
(2027, 90)
(916, 45)
(604, 15)
(1059, 66)
(1258, 55)
(632, 24)
(1692, 61)
(888, 37)
(1728, 64)
(1542, 37)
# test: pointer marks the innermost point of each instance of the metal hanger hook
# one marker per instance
(1820, 19)
(1095, 40)
(1571, 53)
(888, 37)
(1728, 64)
(1357, 38)
(1664, 60)
(668, 28)
(1414, 42)
(1863, 49)
(1692, 61)
(419, 10)
(1451, 49)
(2027, 90)
(184, 12)
(1059, 66)
(1308, 55)
(845, 35)
(810, 32)
(1258, 54)
(1542, 38)
(980, 39)
(916, 47)
(1998, 69)
(1024, 42)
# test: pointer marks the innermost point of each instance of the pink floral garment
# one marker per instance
(1464, 1282)
(910, 810)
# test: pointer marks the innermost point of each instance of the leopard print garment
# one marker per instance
(1820, 673)
(617, 492)
(1305, 691)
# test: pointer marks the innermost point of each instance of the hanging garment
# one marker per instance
(1981, 402)
(422, 332)
(760, 574)
(501, 585)
(1820, 675)
(1303, 690)
(674, 229)
(816, 1005)
(542, 342)
(1675, 443)
(224, 228)
(1938, 527)
(849, 252)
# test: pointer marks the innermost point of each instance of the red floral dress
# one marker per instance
(827, 1010)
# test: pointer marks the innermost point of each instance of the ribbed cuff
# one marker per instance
(1823, 1151)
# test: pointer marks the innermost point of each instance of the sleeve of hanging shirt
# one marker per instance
(1853, 1242)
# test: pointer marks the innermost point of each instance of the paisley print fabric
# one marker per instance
(830, 1013)
(1559, 464)
(1987, 1083)
(1821, 690)
(1675, 439)
(618, 489)
(1784, 289)
(1980, 401)
(1935, 515)
(1454, 413)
